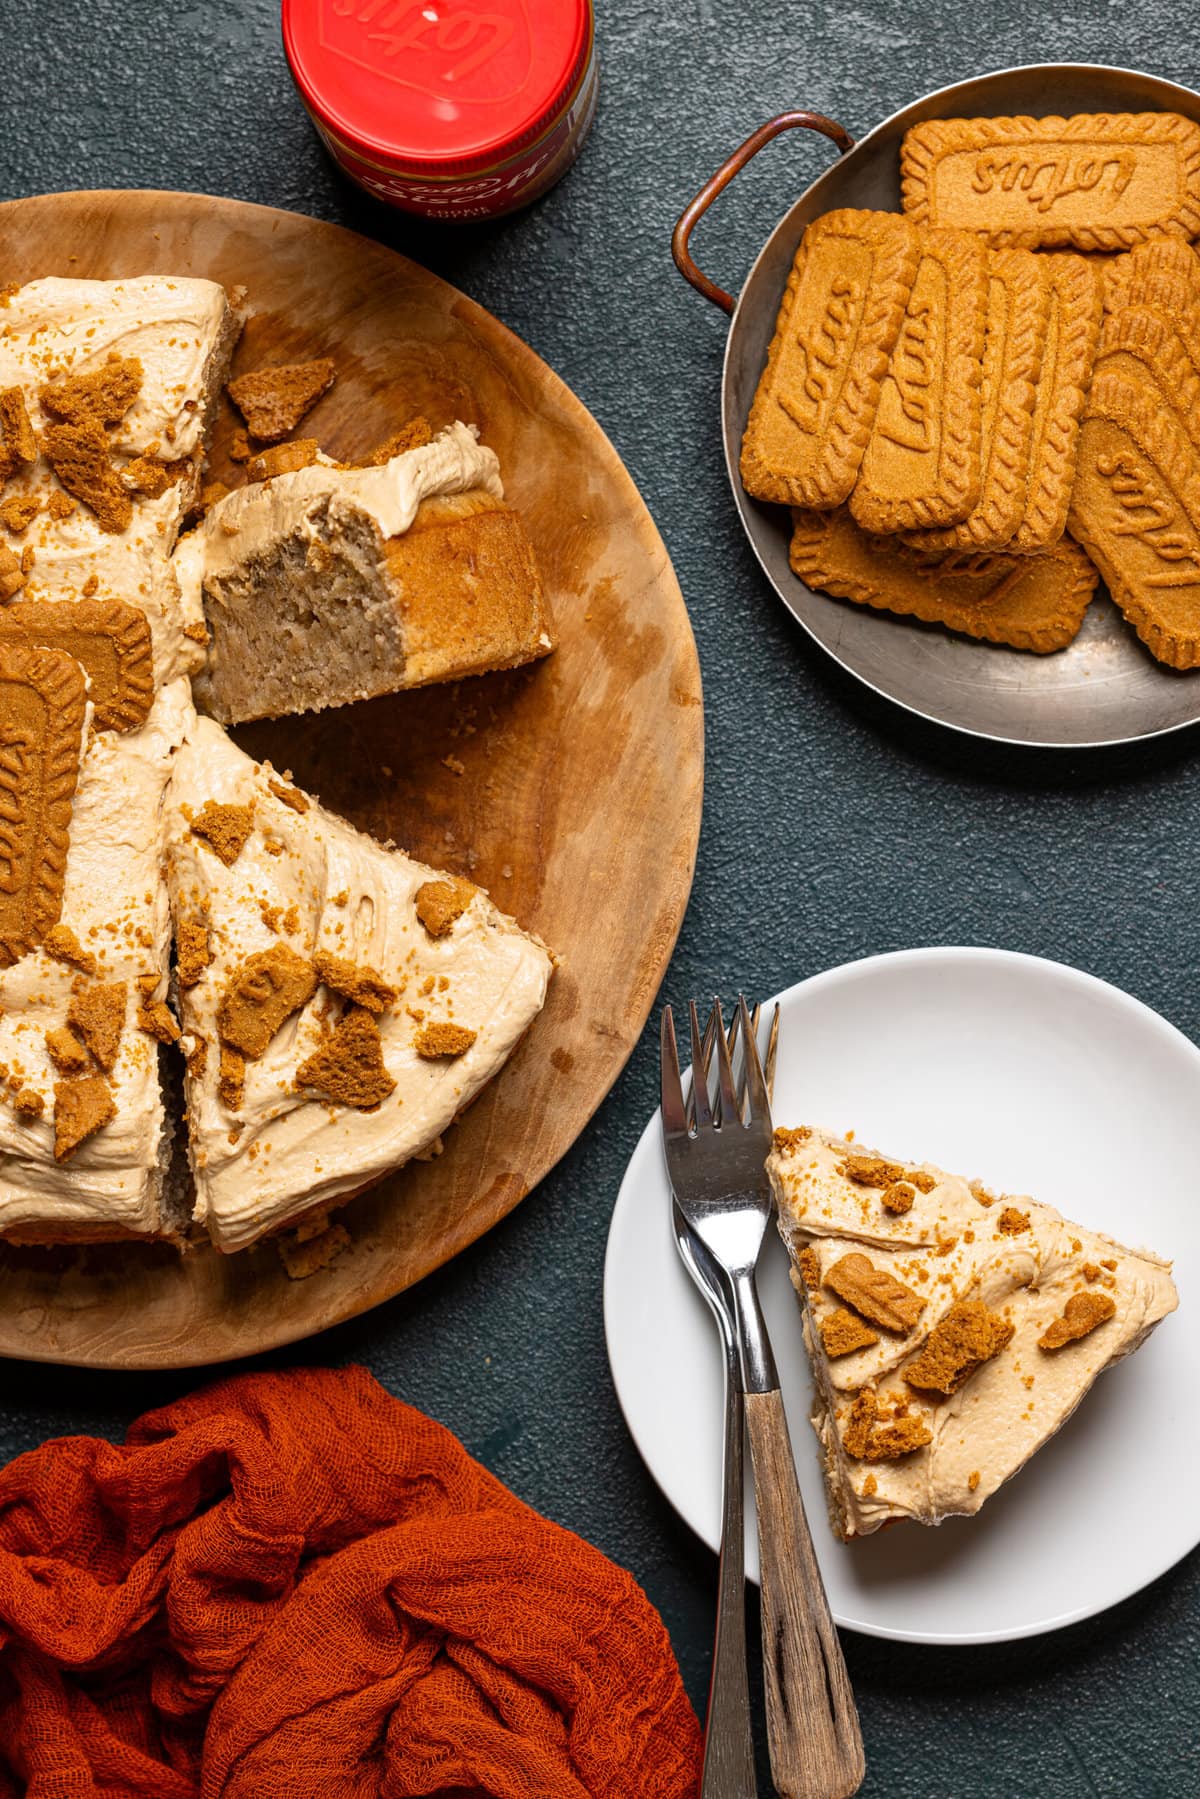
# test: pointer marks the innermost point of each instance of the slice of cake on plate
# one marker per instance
(951, 1332)
(323, 584)
(108, 390)
(341, 1003)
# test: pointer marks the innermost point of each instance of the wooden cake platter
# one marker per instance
(570, 790)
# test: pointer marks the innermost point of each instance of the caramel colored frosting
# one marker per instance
(266, 885)
(989, 1279)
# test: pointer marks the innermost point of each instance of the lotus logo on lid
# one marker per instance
(449, 49)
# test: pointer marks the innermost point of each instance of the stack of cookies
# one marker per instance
(972, 421)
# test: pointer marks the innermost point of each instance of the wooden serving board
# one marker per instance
(570, 790)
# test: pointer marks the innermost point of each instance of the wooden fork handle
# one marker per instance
(812, 1724)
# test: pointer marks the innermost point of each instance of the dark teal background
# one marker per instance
(833, 829)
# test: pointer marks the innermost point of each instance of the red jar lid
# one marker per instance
(445, 87)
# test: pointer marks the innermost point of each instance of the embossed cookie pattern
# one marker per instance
(42, 708)
(109, 639)
(1072, 335)
(1136, 510)
(1097, 181)
(922, 466)
(1017, 323)
(841, 311)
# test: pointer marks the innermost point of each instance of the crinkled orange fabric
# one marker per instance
(295, 1585)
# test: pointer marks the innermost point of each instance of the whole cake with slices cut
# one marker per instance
(169, 909)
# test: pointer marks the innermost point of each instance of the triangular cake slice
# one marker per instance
(341, 1002)
(323, 584)
(951, 1331)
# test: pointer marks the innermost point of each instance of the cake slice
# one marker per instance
(341, 1002)
(108, 391)
(323, 584)
(951, 1332)
(85, 1136)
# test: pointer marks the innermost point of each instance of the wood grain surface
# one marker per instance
(571, 790)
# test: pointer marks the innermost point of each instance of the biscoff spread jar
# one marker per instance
(456, 109)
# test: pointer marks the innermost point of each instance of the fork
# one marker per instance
(719, 1182)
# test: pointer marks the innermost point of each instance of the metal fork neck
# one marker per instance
(756, 1360)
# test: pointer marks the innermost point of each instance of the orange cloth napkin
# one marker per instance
(293, 1584)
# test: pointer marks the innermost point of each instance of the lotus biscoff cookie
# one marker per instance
(1072, 335)
(922, 466)
(1136, 509)
(816, 401)
(1028, 602)
(1142, 346)
(1017, 317)
(43, 702)
(1098, 181)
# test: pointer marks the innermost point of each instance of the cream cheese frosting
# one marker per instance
(248, 522)
(956, 1243)
(115, 907)
(307, 879)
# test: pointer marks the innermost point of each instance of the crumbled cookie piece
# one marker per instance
(192, 953)
(197, 631)
(60, 505)
(409, 437)
(156, 1018)
(1011, 1222)
(102, 397)
(28, 1103)
(18, 445)
(809, 1263)
(980, 1192)
(274, 400)
(973, 1480)
(1091, 1271)
(80, 457)
(874, 1293)
(870, 1487)
(224, 828)
(67, 1053)
(64, 946)
(874, 1434)
(147, 476)
(196, 1056)
(871, 1171)
(12, 575)
(303, 1256)
(262, 992)
(349, 1065)
(81, 1108)
(18, 512)
(433, 1041)
(959, 1344)
(97, 1015)
(1080, 1316)
(842, 1334)
(240, 447)
(440, 903)
(360, 984)
(920, 1179)
(898, 1198)
(231, 1078)
(784, 1139)
(289, 796)
(284, 459)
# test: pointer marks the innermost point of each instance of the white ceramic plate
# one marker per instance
(1037, 1079)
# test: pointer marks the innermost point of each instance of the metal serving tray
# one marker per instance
(1106, 688)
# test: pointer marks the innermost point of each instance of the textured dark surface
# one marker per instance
(1091, 863)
